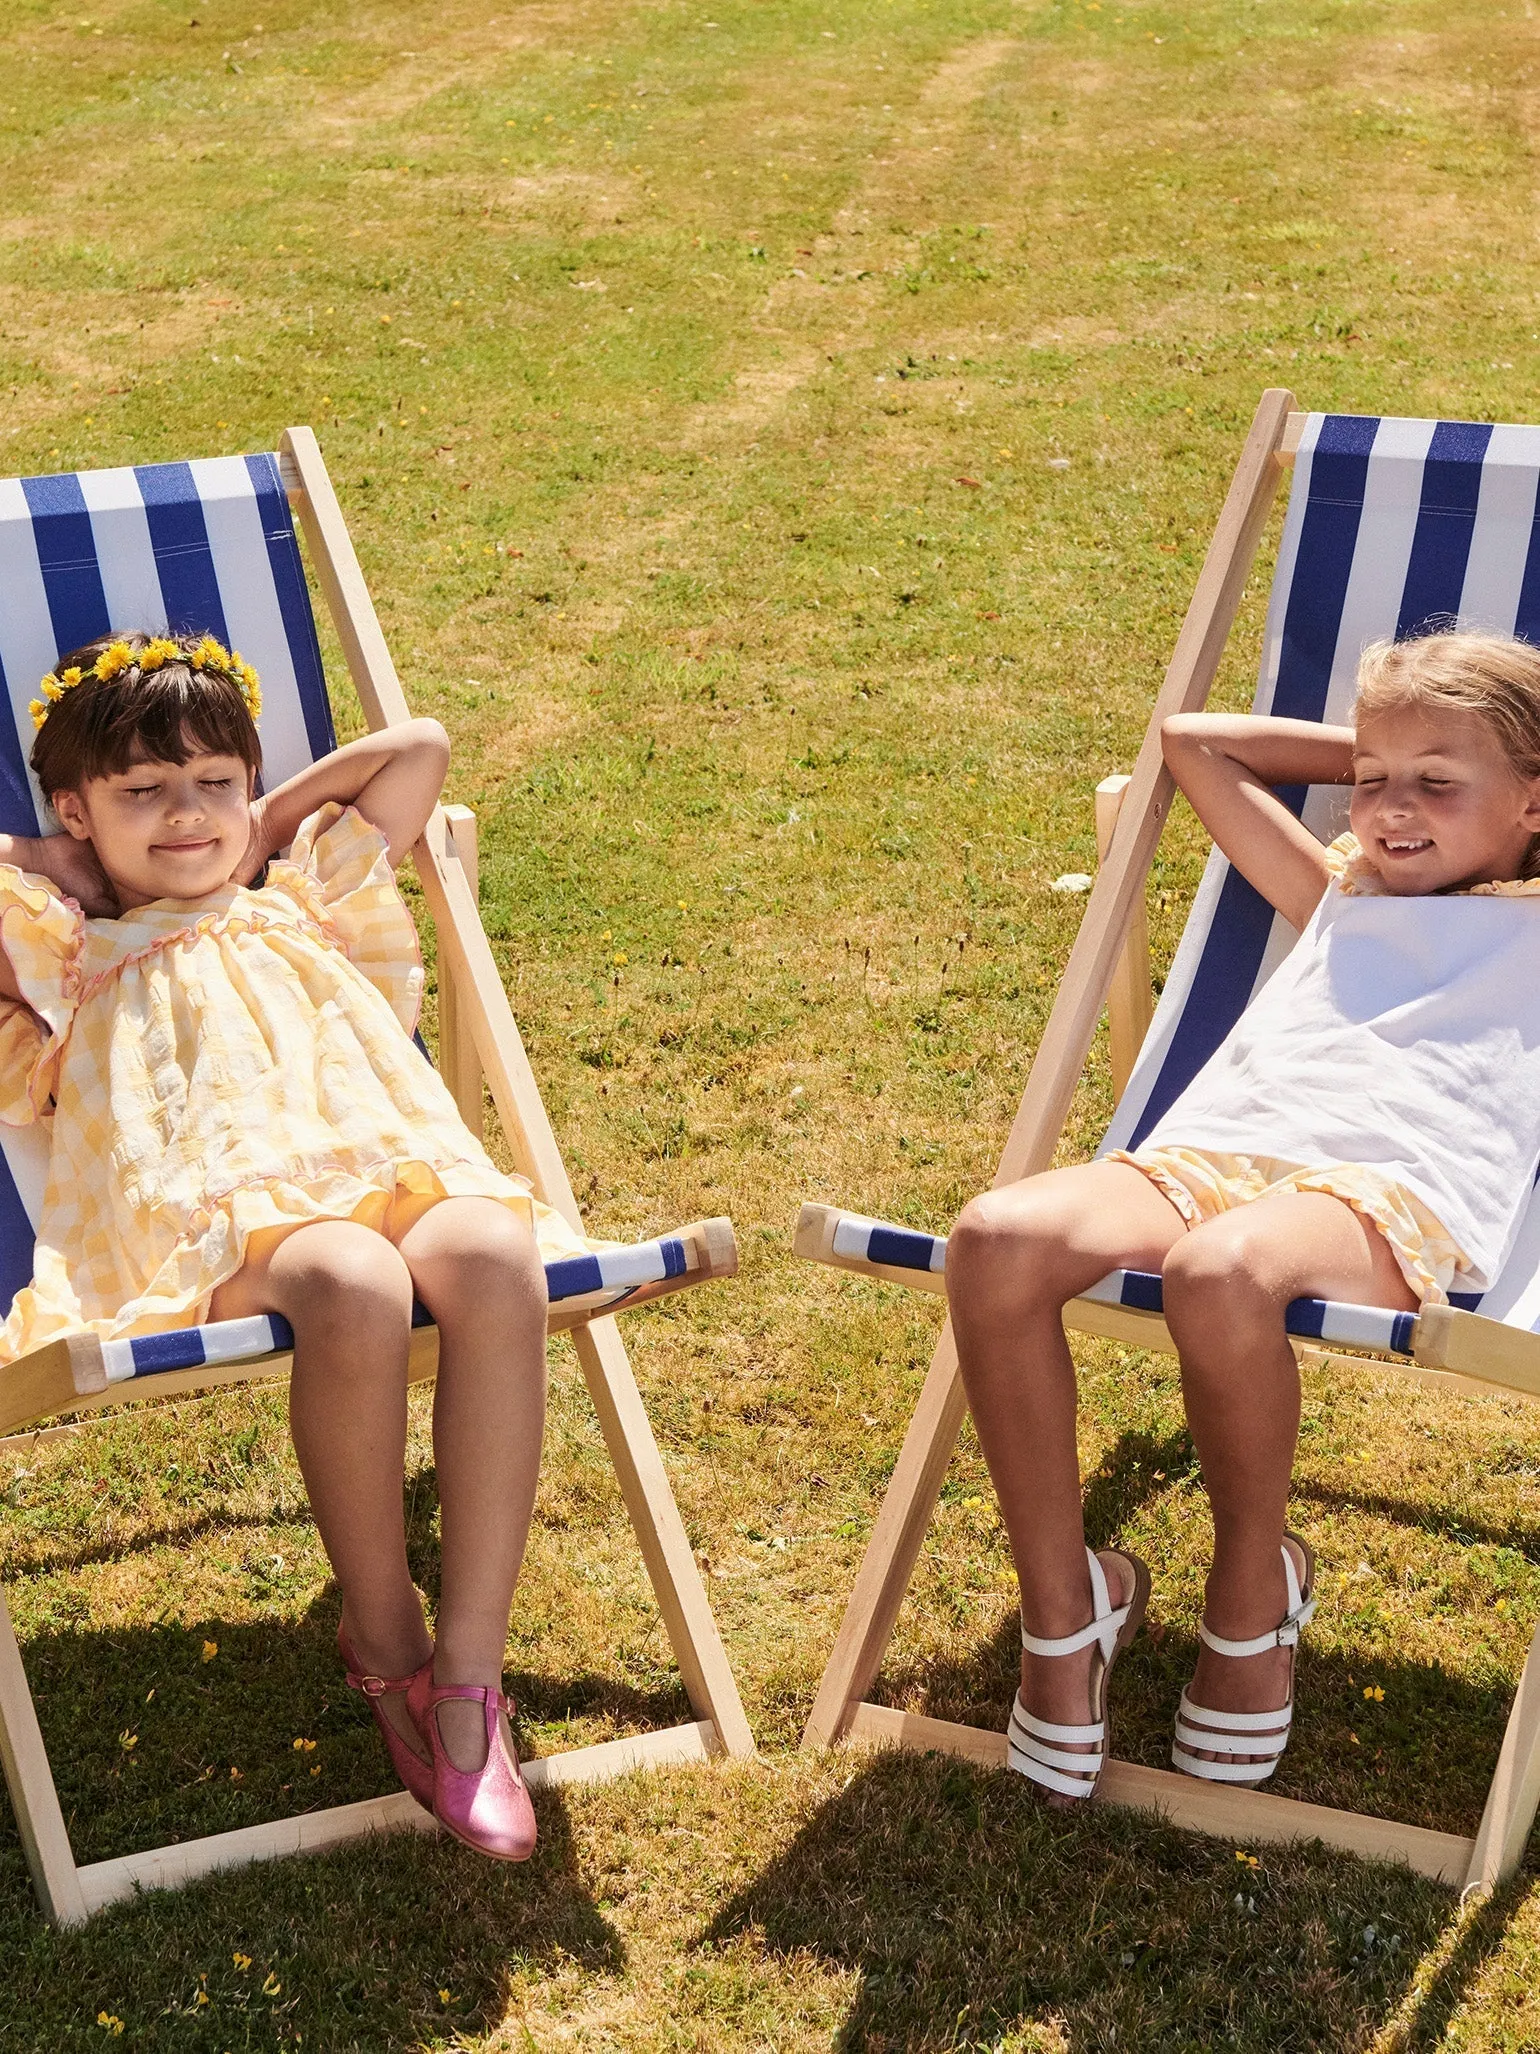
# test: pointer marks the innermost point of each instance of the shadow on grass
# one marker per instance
(391, 1945)
(150, 1742)
(979, 1920)
(360, 1942)
(1463, 1528)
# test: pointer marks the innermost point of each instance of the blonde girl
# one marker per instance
(242, 1124)
(1368, 1132)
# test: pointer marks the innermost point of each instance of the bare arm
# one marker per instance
(1228, 763)
(394, 778)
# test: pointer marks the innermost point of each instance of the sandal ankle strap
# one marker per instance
(1105, 1624)
(1285, 1634)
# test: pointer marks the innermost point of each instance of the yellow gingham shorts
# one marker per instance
(1202, 1183)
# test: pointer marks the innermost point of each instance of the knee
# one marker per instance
(1003, 1255)
(493, 1261)
(349, 1277)
(1219, 1272)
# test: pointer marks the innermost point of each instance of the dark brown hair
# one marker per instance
(168, 715)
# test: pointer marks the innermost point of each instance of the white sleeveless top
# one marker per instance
(1402, 1034)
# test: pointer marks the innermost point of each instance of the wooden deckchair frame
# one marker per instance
(1454, 1349)
(479, 1035)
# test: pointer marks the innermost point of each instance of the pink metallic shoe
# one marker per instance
(486, 1808)
(415, 1772)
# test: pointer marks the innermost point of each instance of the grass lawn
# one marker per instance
(782, 440)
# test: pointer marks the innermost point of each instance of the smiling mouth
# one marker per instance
(181, 848)
(1405, 845)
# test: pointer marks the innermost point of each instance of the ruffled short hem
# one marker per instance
(215, 1247)
(1202, 1184)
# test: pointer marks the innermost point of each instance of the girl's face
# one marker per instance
(1436, 803)
(164, 830)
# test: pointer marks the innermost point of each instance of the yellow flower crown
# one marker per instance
(209, 656)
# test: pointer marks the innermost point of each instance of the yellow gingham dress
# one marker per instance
(219, 1068)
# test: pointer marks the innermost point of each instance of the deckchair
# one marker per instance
(1390, 525)
(212, 545)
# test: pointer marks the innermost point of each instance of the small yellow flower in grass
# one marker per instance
(112, 2022)
(210, 1649)
(202, 1997)
(684, 905)
(272, 1986)
(444, 1997)
(221, 424)
(606, 936)
(1374, 1692)
(242, 1962)
(128, 1741)
(237, 1775)
(621, 959)
(1354, 1738)
(304, 1746)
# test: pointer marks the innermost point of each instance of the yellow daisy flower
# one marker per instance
(38, 711)
(70, 677)
(158, 652)
(111, 661)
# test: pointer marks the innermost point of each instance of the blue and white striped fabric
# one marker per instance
(207, 545)
(1392, 526)
(574, 1281)
(860, 1239)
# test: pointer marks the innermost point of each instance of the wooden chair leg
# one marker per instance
(39, 1819)
(1515, 1792)
(892, 1550)
(665, 1545)
(458, 1060)
(1130, 1001)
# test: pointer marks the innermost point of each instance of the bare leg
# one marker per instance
(1227, 1285)
(1014, 1260)
(347, 1294)
(477, 1269)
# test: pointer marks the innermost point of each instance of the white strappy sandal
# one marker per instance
(1029, 1740)
(1261, 1735)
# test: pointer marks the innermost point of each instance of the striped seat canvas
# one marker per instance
(207, 545)
(215, 546)
(1393, 527)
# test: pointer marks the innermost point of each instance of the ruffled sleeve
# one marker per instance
(339, 870)
(41, 934)
(1352, 870)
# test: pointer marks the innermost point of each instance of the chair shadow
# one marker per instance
(1461, 1528)
(151, 1744)
(1423, 1753)
(976, 1919)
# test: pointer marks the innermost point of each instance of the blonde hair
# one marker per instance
(1495, 677)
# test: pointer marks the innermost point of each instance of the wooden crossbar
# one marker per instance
(162, 1868)
(1253, 1818)
(1454, 1350)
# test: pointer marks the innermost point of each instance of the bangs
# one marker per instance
(170, 717)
